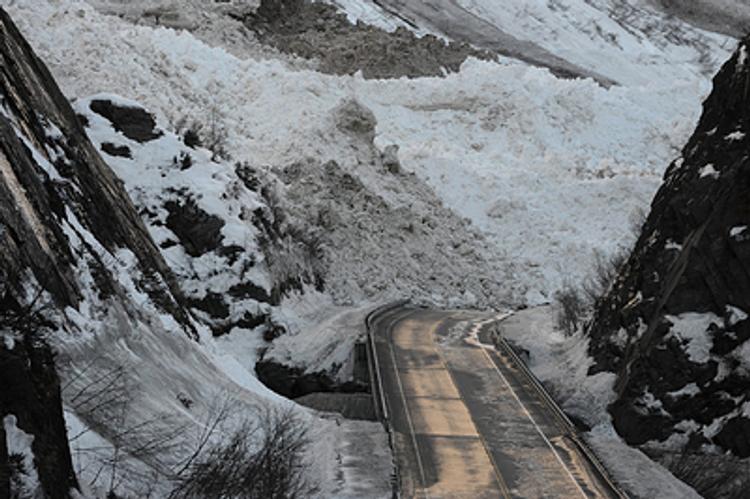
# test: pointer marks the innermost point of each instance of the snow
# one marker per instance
(708, 171)
(626, 40)
(734, 136)
(649, 404)
(692, 328)
(371, 13)
(325, 345)
(741, 354)
(19, 442)
(562, 363)
(686, 391)
(735, 315)
(535, 162)
(671, 245)
(632, 469)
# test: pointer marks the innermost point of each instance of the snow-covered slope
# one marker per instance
(631, 42)
(505, 180)
(549, 169)
(141, 377)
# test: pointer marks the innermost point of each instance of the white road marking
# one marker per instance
(533, 422)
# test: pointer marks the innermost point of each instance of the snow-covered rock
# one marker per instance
(86, 292)
(695, 293)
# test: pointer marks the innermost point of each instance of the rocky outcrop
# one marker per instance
(53, 180)
(67, 231)
(674, 326)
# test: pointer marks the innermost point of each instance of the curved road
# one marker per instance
(469, 422)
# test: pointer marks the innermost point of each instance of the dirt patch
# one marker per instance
(319, 32)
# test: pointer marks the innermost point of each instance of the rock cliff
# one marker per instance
(674, 326)
(64, 216)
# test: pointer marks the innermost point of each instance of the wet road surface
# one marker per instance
(467, 421)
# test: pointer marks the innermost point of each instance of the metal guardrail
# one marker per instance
(376, 382)
(383, 414)
(562, 417)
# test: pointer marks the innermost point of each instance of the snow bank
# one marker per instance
(549, 169)
(562, 364)
(627, 40)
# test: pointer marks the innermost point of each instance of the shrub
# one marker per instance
(606, 269)
(573, 308)
(212, 135)
(238, 467)
(578, 302)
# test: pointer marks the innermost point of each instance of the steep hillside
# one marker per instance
(63, 217)
(533, 162)
(675, 325)
(97, 334)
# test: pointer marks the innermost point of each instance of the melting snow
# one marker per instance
(708, 171)
(693, 328)
(738, 135)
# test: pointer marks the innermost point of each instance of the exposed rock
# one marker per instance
(115, 150)
(294, 382)
(390, 159)
(675, 326)
(67, 227)
(198, 231)
(355, 119)
(31, 395)
(316, 30)
(134, 122)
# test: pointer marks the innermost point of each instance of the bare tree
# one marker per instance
(238, 467)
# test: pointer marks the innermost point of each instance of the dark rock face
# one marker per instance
(198, 231)
(33, 201)
(134, 122)
(675, 325)
(31, 393)
(61, 210)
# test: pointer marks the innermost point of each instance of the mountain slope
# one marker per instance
(86, 292)
(675, 325)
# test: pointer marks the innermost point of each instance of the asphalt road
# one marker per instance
(467, 422)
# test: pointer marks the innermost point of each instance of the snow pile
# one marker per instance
(629, 41)
(535, 162)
